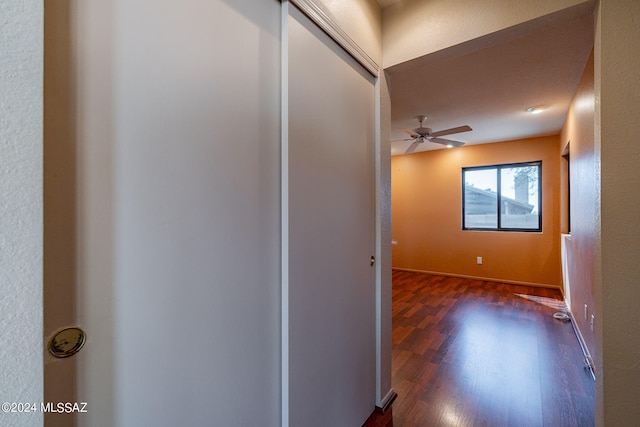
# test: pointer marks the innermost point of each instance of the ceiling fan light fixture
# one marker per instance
(422, 134)
(536, 109)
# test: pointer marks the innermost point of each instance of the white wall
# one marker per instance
(21, 73)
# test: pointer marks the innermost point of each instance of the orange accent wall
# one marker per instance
(427, 215)
(578, 132)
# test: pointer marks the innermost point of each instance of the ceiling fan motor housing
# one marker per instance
(423, 131)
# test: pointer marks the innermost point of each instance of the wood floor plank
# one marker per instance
(480, 353)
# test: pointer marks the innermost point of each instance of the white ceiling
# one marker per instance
(489, 88)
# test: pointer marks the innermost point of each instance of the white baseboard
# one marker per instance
(387, 401)
(588, 361)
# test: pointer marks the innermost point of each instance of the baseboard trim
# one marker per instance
(486, 279)
(387, 401)
(588, 361)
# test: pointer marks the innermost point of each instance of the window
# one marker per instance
(502, 197)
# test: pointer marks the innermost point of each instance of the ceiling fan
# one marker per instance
(422, 134)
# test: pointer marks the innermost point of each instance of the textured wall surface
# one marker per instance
(617, 270)
(361, 20)
(578, 130)
(21, 207)
(413, 28)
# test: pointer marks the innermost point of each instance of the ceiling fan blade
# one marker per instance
(447, 142)
(451, 131)
(411, 133)
(412, 148)
(402, 140)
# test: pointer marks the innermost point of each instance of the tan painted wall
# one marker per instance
(361, 20)
(427, 216)
(617, 272)
(578, 131)
(414, 28)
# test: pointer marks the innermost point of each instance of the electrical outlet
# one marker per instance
(586, 312)
(479, 260)
(593, 317)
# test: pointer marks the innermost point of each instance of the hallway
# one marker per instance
(474, 353)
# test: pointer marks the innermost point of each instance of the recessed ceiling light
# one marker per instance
(537, 109)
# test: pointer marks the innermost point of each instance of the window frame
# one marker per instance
(498, 168)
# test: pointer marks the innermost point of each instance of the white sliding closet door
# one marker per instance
(331, 232)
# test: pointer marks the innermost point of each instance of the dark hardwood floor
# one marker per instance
(476, 353)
